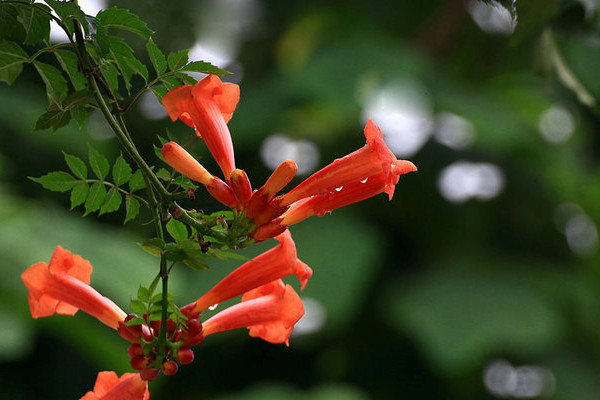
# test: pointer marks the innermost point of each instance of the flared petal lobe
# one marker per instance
(110, 387)
(62, 287)
(276, 263)
(269, 312)
(372, 159)
(207, 107)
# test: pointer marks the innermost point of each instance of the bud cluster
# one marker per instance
(145, 353)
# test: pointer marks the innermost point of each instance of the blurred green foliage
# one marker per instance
(420, 294)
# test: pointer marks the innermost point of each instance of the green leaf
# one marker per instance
(79, 114)
(136, 182)
(132, 208)
(58, 181)
(196, 263)
(36, 21)
(138, 306)
(76, 165)
(68, 10)
(154, 246)
(95, 198)
(68, 62)
(123, 19)
(204, 67)
(143, 294)
(135, 321)
(171, 82)
(12, 57)
(79, 194)
(56, 85)
(111, 75)
(187, 79)
(112, 202)
(125, 60)
(99, 164)
(53, 119)
(8, 19)
(178, 230)
(121, 171)
(156, 57)
(159, 92)
(178, 59)
(163, 174)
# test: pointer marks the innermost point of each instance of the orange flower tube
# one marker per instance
(276, 263)
(207, 107)
(62, 287)
(110, 387)
(178, 158)
(269, 312)
(372, 159)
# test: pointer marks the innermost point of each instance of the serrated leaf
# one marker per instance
(154, 246)
(79, 114)
(79, 194)
(138, 306)
(204, 67)
(67, 10)
(163, 174)
(159, 92)
(157, 57)
(58, 181)
(125, 60)
(76, 165)
(53, 119)
(178, 59)
(95, 199)
(121, 171)
(132, 208)
(177, 229)
(12, 57)
(185, 78)
(143, 294)
(99, 164)
(136, 182)
(171, 82)
(68, 62)
(111, 75)
(8, 19)
(112, 202)
(123, 19)
(35, 18)
(56, 85)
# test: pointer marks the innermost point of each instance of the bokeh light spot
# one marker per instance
(556, 124)
(464, 180)
(278, 148)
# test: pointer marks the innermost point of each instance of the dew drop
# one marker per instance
(213, 307)
(339, 189)
(364, 180)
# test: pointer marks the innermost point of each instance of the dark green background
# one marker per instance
(421, 294)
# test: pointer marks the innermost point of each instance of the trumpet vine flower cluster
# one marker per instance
(268, 308)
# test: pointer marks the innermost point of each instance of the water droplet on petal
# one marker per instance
(339, 189)
(364, 180)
